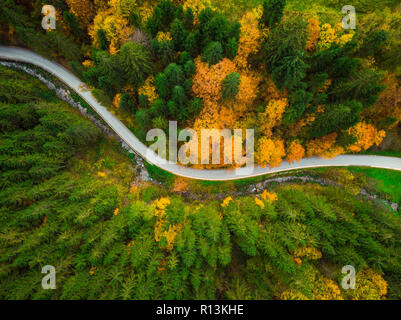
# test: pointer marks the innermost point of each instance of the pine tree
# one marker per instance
(230, 86)
(103, 43)
(135, 63)
(213, 53)
(126, 103)
(272, 12)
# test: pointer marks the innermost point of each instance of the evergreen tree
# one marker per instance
(189, 19)
(162, 85)
(373, 43)
(103, 43)
(178, 95)
(73, 24)
(135, 63)
(272, 12)
(143, 101)
(158, 108)
(191, 45)
(126, 103)
(189, 68)
(230, 85)
(213, 53)
(179, 34)
(231, 48)
(174, 74)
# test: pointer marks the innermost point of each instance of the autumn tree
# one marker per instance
(83, 9)
(250, 38)
(295, 152)
(324, 147)
(272, 115)
(117, 29)
(367, 135)
(270, 152)
(313, 34)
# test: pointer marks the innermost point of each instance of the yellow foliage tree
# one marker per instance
(259, 203)
(326, 289)
(161, 36)
(83, 9)
(293, 294)
(149, 90)
(270, 152)
(218, 113)
(250, 38)
(123, 8)
(271, 197)
(369, 286)
(226, 202)
(146, 10)
(160, 226)
(309, 252)
(197, 6)
(367, 135)
(116, 27)
(272, 116)
(116, 100)
(208, 80)
(327, 36)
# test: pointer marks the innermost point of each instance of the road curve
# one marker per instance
(27, 56)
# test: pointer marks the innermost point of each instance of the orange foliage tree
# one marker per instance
(324, 147)
(207, 84)
(208, 80)
(313, 35)
(295, 152)
(389, 104)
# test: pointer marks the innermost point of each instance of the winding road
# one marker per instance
(27, 56)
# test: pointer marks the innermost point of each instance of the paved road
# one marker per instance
(23, 55)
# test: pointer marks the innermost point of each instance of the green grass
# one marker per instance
(388, 153)
(387, 181)
(158, 174)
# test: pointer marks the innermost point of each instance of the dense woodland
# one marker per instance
(67, 200)
(285, 68)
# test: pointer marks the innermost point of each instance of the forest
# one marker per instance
(69, 198)
(73, 198)
(287, 69)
